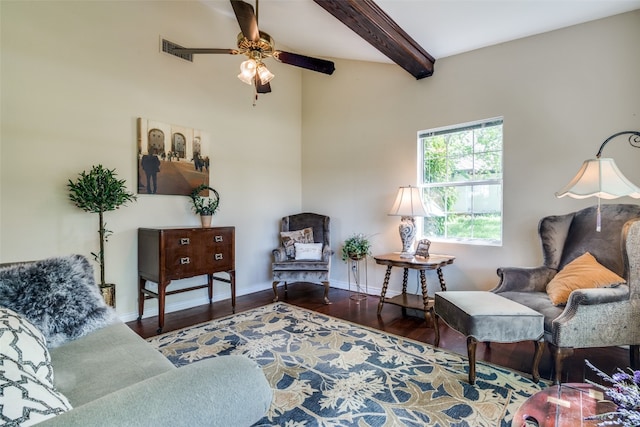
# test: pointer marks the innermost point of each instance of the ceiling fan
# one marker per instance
(257, 46)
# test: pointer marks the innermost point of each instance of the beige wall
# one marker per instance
(75, 75)
(561, 95)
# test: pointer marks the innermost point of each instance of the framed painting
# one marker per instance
(171, 159)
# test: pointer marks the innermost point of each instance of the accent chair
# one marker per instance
(591, 317)
(304, 254)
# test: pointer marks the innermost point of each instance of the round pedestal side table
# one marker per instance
(358, 277)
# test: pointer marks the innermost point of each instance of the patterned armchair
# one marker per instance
(596, 317)
(290, 265)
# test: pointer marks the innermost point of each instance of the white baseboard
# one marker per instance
(193, 302)
(223, 295)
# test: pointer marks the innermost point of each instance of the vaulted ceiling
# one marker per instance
(439, 28)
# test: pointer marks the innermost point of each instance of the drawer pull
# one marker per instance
(218, 257)
(218, 239)
(185, 260)
(185, 241)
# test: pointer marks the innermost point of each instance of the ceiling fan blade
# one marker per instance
(246, 19)
(262, 88)
(186, 50)
(302, 61)
(187, 53)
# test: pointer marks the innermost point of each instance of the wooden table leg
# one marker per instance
(162, 291)
(210, 287)
(385, 285)
(405, 279)
(141, 297)
(536, 360)
(434, 316)
(425, 296)
(232, 279)
(471, 352)
(443, 285)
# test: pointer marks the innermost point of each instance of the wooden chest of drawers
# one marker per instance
(166, 254)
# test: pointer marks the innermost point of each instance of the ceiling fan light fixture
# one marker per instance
(265, 75)
(247, 71)
(256, 45)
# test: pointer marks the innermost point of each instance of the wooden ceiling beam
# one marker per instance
(375, 26)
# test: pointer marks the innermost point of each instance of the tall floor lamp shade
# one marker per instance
(601, 178)
(408, 205)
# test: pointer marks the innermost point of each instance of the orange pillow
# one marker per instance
(581, 273)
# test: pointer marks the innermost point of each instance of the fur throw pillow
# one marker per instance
(59, 296)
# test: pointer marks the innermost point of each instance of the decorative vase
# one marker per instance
(357, 257)
(108, 292)
(206, 220)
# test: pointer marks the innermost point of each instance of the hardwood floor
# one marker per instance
(516, 356)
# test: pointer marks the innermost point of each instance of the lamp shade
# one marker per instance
(247, 71)
(408, 203)
(600, 178)
(265, 75)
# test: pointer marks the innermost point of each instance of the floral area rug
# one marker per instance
(329, 372)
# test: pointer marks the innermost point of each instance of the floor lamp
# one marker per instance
(601, 178)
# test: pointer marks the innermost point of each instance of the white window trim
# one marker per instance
(420, 168)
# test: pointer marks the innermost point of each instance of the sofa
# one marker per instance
(66, 360)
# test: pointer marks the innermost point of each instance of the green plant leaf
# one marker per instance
(356, 246)
(204, 205)
(99, 191)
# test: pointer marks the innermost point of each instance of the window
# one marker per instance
(461, 178)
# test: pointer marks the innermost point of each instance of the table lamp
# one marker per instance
(408, 205)
(601, 178)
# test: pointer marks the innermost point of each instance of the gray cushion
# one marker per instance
(105, 361)
(301, 265)
(538, 301)
(218, 392)
(486, 316)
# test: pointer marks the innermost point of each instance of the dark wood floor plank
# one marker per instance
(517, 356)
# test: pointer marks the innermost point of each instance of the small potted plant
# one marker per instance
(99, 191)
(206, 207)
(356, 247)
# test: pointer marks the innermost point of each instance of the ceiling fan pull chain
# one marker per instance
(255, 89)
(255, 95)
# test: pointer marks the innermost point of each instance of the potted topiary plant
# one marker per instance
(206, 207)
(356, 247)
(99, 191)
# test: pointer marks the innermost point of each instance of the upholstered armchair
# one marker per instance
(593, 317)
(304, 254)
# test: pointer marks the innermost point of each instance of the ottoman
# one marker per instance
(488, 317)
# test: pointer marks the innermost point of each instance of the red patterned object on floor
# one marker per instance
(566, 405)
